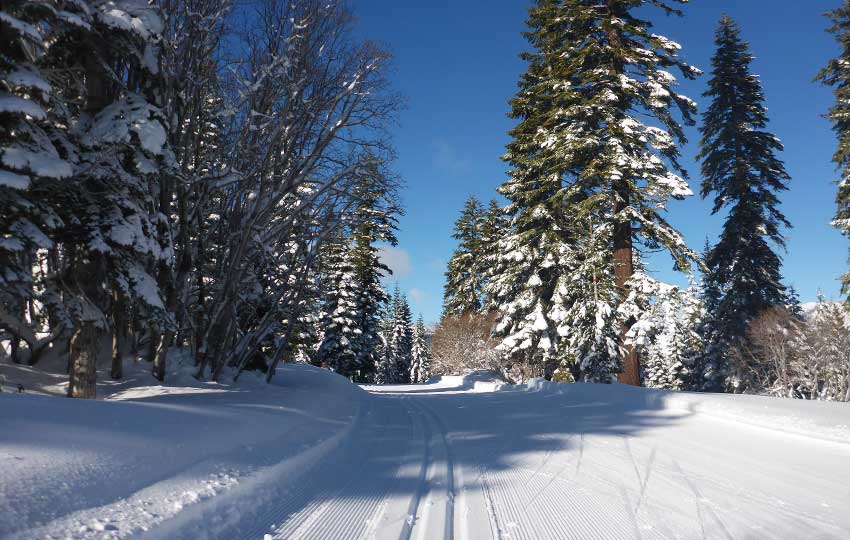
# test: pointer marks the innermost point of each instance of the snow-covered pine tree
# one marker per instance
(375, 220)
(589, 179)
(401, 339)
(125, 162)
(793, 304)
(463, 289)
(341, 335)
(386, 372)
(36, 153)
(667, 337)
(420, 368)
(837, 74)
(741, 170)
(112, 241)
(494, 226)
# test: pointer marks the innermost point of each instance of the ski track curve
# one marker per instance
(391, 444)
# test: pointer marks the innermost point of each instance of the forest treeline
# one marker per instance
(204, 174)
(216, 176)
(560, 274)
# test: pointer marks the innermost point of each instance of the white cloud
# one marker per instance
(418, 295)
(397, 260)
(447, 159)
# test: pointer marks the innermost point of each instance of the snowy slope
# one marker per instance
(113, 468)
(466, 457)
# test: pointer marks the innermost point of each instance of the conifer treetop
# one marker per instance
(738, 154)
(595, 72)
(837, 74)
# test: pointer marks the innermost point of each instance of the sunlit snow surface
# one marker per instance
(312, 456)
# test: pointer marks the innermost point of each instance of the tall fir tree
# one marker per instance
(420, 368)
(795, 307)
(84, 164)
(463, 290)
(341, 334)
(589, 181)
(837, 74)
(401, 339)
(35, 141)
(741, 170)
(493, 227)
(385, 370)
(375, 222)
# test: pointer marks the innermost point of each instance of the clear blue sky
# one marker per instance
(456, 61)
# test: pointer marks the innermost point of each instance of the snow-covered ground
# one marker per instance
(312, 456)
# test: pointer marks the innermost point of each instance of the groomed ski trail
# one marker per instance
(463, 458)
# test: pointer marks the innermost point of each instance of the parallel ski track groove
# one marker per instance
(279, 513)
(413, 507)
(335, 519)
(448, 533)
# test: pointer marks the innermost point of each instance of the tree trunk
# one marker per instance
(623, 270)
(153, 344)
(15, 348)
(83, 359)
(623, 249)
(119, 335)
(161, 356)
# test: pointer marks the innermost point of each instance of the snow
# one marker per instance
(14, 181)
(18, 105)
(131, 15)
(152, 456)
(28, 78)
(115, 123)
(145, 287)
(38, 163)
(23, 28)
(24, 228)
(312, 456)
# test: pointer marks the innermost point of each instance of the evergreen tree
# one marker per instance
(37, 153)
(401, 339)
(339, 324)
(105, 139)
(387, 370)
(741, 170)
(420, 368)
(668, 339)
(709, 373)
(493, 228)
(837, 74)
(375, 222)
(463, 289)
(793, 303)
(588, 181)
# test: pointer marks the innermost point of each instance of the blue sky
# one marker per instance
(456, 62)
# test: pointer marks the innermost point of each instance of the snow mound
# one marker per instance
(477, 381)
(828, 421)
(117, 467)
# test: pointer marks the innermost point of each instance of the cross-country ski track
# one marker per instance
(314, 457)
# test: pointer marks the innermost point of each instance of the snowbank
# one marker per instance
(116, 467)
(477, 381)
(822, 420)
(828, 421)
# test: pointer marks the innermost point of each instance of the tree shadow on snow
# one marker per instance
(487, 434)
